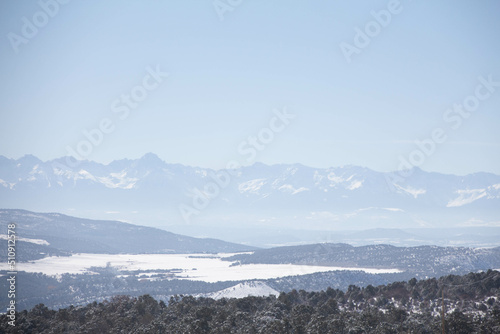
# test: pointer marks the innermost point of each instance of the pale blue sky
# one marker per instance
(226, 77)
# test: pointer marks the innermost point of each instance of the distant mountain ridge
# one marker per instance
(58, 234)
(288, 195)
(420, 262)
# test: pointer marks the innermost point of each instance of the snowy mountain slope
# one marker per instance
(245, 289)
(66, 234)
(290, 195)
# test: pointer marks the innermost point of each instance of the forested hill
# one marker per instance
(471, 302)
(420, 262)
(45, 234)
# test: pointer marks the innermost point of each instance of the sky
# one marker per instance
(201, 82)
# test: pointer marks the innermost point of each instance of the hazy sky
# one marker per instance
(357, 99)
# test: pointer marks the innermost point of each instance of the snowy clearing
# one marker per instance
(199, 267)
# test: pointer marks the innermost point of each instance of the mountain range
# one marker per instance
(155, 193)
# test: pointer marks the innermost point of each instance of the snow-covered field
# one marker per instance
(242, 290)
(208, 268)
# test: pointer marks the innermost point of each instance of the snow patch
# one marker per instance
(466, 196)
(334, 178)
(412, 191)
(118, 180)
(33, 241)
(243, 290)
(355, 185)
(6, 184)
(252, 186)
(290, 189)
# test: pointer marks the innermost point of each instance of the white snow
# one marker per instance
(244, 290)
(290, 189)
(412, 191)
(466, 196)
(334, 178)
(203, 173)
(118, 180)
(33, 241)
(36, 170)
(355, 185)
(251, 186)
(86, 175)
(6, 184)
(207, 268)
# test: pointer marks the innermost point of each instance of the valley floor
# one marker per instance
(197, 267)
